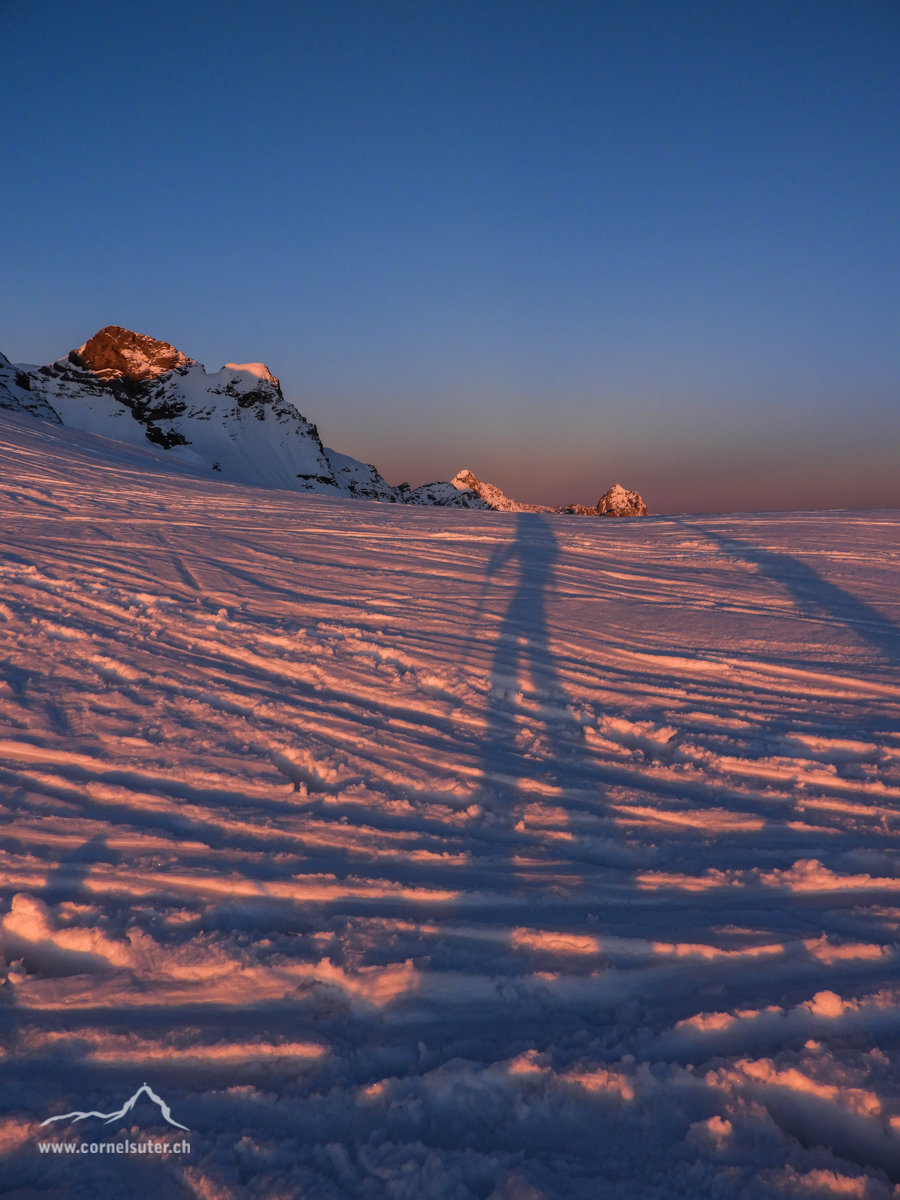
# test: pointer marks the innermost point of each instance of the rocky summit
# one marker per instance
(617, 502)
(117, 353)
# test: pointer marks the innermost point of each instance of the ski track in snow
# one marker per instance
(444, 853)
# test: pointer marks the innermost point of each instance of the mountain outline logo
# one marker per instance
(129, 1104)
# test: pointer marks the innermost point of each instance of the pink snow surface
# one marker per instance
(438, 853)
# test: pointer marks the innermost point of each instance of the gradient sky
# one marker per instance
(561, 244)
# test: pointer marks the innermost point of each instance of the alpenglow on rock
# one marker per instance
(117, 353)
(617, 502)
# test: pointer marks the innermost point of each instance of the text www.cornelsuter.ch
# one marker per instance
(126, 1147)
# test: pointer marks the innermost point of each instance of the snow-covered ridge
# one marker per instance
(235, 422)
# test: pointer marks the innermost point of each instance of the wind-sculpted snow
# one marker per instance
(406, 852)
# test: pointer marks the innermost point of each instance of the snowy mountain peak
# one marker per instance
(137, 389)
(493, 498)
(117, 353)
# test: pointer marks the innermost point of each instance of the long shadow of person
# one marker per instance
(523, 646)
(817, 596)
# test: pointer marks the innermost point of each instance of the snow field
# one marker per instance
(415, 852)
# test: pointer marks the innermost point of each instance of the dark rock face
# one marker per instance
(16, 394)
(150, 410)
(148, 402)
(617, 502)
(117, 353)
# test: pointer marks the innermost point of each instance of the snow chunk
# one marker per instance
(259, 370)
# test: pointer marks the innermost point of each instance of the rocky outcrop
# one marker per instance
(617, 502)
(466, 481)
(117, 353)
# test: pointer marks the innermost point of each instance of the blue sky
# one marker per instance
(560, 244)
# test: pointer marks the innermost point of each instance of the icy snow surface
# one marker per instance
(424, 852)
